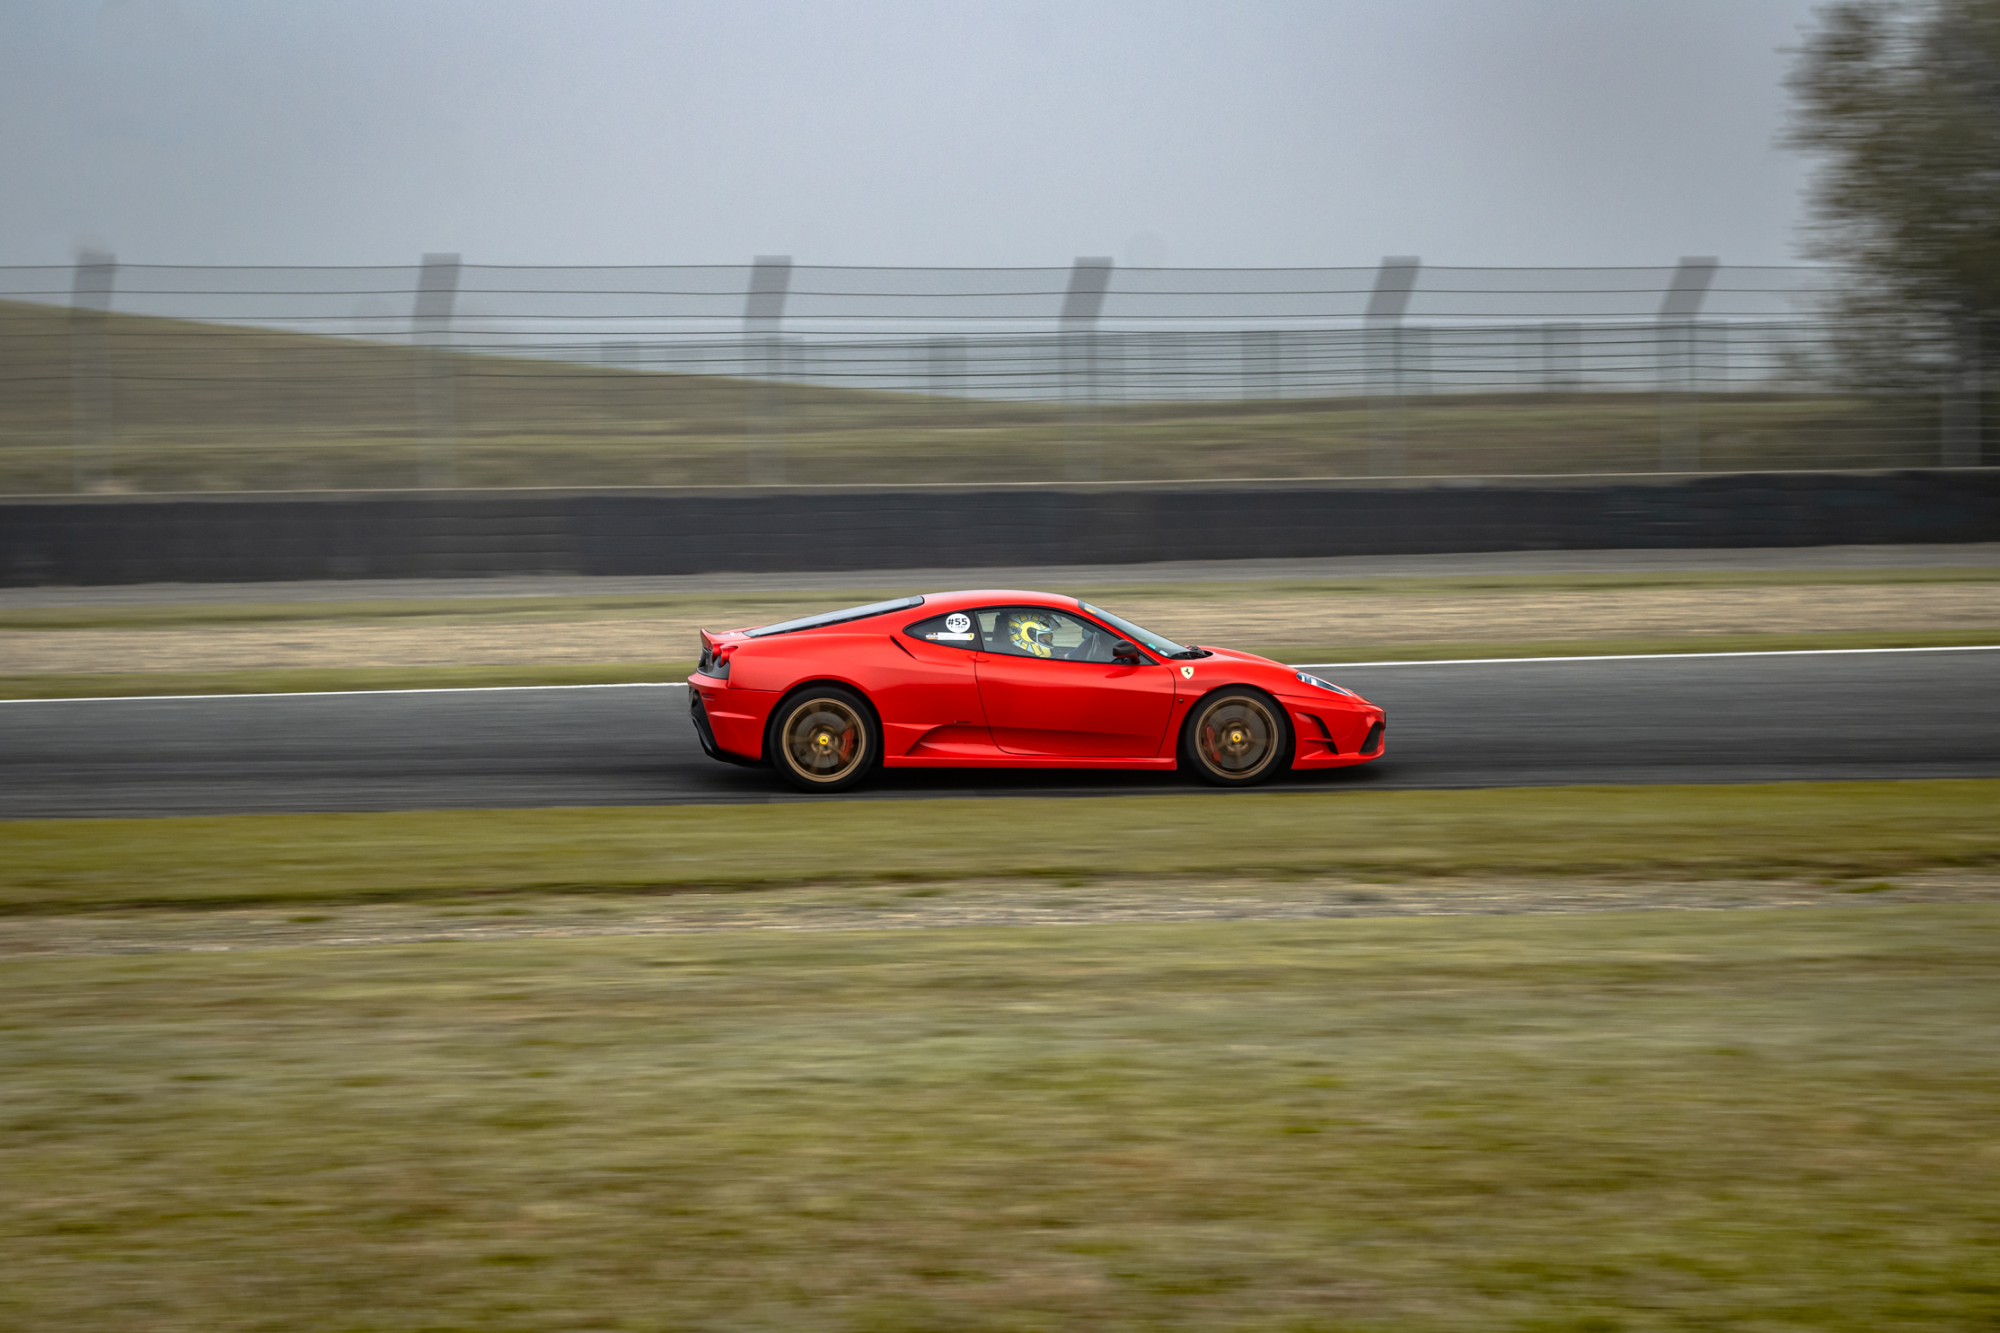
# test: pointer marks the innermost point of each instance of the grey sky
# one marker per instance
(1253, 132)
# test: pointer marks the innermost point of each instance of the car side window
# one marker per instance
(1038, 631)
(954, 630)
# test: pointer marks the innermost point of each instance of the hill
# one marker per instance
(194, 406)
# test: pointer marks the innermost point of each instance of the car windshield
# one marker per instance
(835, 617)
(1159, 643)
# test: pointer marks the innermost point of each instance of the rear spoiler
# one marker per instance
(714, 655)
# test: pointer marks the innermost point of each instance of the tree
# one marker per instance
(1901, 100)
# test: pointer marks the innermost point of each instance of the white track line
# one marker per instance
(335, 694)
(1301, 666)
(1646, 657)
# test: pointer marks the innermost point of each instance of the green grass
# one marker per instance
(916, 441)
(1857, 830)
(1649, 1123)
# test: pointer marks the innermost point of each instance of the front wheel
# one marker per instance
(823, 739)
(1236, 738)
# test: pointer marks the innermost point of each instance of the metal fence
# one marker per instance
(112, 362)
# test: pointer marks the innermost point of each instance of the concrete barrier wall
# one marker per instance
(439, 534)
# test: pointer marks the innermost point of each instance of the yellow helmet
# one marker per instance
(1032, 633)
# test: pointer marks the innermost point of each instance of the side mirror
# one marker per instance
(1125, 651)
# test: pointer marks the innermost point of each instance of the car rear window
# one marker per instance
(953, 631)
(834, 617)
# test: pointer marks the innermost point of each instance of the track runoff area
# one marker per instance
(1736, 717)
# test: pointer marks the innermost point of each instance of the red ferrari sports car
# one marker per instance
(1000, 679)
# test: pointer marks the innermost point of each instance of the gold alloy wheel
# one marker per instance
(824, 740)
(1237, 736)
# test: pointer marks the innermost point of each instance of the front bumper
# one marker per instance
(1334, 736)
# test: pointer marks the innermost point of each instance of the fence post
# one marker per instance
(1089, 280)
(1562, 357)
(1262, 363)
(1680, 376)
(763, 316)
(1168, 375)
(946, 369)
(1959, 445)
(90, 368)
(1394, 281)
(437, 293)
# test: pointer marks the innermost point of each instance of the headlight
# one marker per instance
(1305, 679)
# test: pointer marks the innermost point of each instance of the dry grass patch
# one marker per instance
(1336, 618)
(942, 905)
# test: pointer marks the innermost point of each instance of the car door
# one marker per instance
(1049, 686)
(929, 700)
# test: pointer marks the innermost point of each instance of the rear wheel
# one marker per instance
(1236, 737)
(823, 738)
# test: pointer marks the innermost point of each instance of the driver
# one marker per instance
(1031, 632)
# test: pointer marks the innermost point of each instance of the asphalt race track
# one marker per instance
(1761, 718)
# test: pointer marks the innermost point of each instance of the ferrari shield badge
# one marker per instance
(1187, 673)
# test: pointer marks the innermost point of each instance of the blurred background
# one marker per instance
(381, 247)
(209, 378)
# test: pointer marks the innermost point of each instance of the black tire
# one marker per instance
(823, 738)
(1236, 737)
